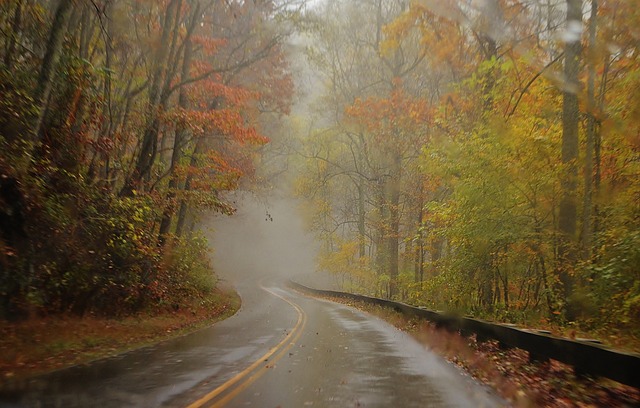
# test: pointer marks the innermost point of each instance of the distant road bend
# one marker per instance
(282, 349)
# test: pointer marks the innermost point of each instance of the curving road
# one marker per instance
(336, 356)
(282, 349)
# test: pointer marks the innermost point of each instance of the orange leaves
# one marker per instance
(441, 36)
(397, 113)
(225, 122)
(209, 45)
(216, 174)
(234, 96)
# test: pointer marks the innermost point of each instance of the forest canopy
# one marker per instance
(480, 156)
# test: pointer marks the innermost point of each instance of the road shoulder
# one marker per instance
(44, 344)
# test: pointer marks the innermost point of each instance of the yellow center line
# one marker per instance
(286, 343)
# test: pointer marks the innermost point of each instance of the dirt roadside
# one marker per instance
(43, 344)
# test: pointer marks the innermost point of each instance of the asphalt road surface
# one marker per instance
(282, 349)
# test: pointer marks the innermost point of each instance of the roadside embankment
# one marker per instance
(44, 344)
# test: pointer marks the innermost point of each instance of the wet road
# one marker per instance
(337, 356)
(282, 349)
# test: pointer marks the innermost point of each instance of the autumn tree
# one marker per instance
(116, 117)
(494, 195)
(567, 217)
(357, 70)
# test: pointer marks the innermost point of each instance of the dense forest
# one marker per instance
(479, 156)
(475, 156)
(120, 121)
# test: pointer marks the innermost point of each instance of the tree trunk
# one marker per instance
(393, 237)
(597, 146)
(587, 222)
(184, 206)
(99, 165)
(149, 145)
(419, 248)
(49, 64)
(16, 27)
(176, 155)
(567, 217)
(361, 219)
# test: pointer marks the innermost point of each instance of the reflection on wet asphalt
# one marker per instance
(162, 374)
(346, 358)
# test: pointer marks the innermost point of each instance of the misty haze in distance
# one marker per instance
(265, 238)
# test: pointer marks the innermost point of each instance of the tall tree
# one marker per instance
(50, 63)
(149, 143)
(591, 130)
(568, 209)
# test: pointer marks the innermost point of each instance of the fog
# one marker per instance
(264, 238)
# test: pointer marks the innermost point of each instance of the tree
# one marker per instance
(358, 70)
(115, 117)
(491, 209)
(50, 62)
(567, 217)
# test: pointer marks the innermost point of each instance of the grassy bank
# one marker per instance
(43, 344)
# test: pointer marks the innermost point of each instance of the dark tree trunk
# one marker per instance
(149, 145)
(16, 28)
(184, 205)
(176, 155)
(50, 63)
(99, 165)
(592, 125)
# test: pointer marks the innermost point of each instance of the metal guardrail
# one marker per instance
(586, 357)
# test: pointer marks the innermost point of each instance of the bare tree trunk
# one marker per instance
(419, 249)
(184, 205)
(587, 222)
(15, 30)
(597, 147)
(99, 164)
(381, 253)
(176, 155)
(567, 217)
(361, 219)
(393, 237)
(149, 145)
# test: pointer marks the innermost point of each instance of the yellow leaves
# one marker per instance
(389, 46)
(396, 30)
(344, 260)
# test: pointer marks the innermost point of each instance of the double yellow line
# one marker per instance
(220, 396)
